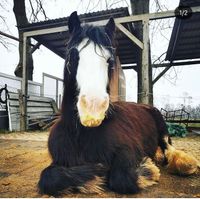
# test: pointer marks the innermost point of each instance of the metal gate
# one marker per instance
(53, 88)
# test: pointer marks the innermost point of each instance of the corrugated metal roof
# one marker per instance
(56, 42)
(185, 39)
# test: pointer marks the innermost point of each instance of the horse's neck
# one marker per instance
(69, 111)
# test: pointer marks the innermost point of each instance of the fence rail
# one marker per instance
(176, 116)
(14, 84)
(44, 99)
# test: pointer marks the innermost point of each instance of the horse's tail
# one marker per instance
(177, 161)
(55, 180)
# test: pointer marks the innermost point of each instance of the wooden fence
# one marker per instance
(39, 109)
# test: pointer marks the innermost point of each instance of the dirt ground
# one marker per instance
(24, 155)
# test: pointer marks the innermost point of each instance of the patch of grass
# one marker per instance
(3, 131)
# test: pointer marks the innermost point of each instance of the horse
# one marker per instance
(99, 145)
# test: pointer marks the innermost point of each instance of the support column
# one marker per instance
(23, 109)
(145, 81)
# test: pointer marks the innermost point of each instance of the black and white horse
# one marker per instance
(97, 144)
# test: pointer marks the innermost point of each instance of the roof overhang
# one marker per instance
(185, 39)
(54, 34)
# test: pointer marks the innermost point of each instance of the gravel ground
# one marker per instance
(24, 155)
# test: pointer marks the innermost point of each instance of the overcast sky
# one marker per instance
(172, 88)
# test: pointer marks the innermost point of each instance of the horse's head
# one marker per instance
(94, 58)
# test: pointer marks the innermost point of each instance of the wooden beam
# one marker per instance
(161, 74)
(45, 31)
(114, 82)
(144, 95)
(150, 16)
(12, 37)
(169, 65)
(129, 67)
(130, 35)
(23, 110)
(9, 36)
(183, 63)
(35, 47)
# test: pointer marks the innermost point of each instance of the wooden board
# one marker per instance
(37, 108)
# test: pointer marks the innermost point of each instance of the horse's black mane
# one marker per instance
(94, 33)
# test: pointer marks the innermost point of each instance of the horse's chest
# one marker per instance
(96, 149)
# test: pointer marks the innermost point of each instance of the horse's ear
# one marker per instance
(74, 22)
(110, 27)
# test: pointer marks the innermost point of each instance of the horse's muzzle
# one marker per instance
(92, 110)
(90, 121)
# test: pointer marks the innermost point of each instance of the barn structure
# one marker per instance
(185, 39)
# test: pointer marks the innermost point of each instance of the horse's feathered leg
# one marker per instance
(55, 179)
(67, 172)
(177, 162)
(122, 175)
(148, 173)
(130, 173)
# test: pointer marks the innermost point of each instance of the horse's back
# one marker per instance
(140, 123)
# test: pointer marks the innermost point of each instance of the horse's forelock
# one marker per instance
(96, 34)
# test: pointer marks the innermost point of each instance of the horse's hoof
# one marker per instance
(148, 173)
(180, 162)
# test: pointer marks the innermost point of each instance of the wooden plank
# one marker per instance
(47, 113)
(54, 106)
(161, 74)
(152, 16)
(40, 115)
(16, 126)
(122, 85)
(31, 110)
(39, 99)
(24, 94)
(14, 110)
(14, 96)
(21, 110)
(114, 82)
(45, 31)
(31, 98)
(39, 104)
(130, 36)
(14, 103)
(145, 76)
(37, 108)
(15, 119)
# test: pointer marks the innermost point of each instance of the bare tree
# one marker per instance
(19, 9)
(3, 41)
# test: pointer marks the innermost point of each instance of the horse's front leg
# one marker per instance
(130, 172)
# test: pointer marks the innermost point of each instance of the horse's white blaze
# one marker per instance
(92, 78)
(92, 74)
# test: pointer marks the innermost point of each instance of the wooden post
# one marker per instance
(144, 95)
(23, 110)
(57, 92)
(114, 82)
(118, 83)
